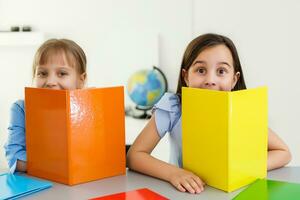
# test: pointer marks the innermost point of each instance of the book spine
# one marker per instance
(229, 135)
(69, 139)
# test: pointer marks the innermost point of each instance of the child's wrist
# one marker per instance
(171, 172)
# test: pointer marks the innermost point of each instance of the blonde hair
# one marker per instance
(74, 54)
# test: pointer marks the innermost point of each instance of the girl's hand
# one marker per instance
(21, 166)
(185, 180)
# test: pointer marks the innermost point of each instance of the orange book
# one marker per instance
(75, 136)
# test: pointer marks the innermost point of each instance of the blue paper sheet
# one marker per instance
(14, 186)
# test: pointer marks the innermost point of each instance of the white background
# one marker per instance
(121, 36)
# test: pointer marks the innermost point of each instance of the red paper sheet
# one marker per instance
(140, 194)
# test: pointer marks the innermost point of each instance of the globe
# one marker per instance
(146, 87)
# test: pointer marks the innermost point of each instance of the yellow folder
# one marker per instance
(224, 135)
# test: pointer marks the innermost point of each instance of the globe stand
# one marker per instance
(138, 112)
(145, 114)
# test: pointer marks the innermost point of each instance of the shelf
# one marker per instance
(21, 38)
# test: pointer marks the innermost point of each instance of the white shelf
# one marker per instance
(21, 38)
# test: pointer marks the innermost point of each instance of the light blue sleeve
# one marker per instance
(167, 112)
(15, 147)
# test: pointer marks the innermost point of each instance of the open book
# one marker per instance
(224, 136)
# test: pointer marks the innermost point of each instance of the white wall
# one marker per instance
(118, 37)
(266, 34)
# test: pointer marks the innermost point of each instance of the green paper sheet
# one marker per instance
(270, 190)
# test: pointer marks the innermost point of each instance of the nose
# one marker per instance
(210, 80)
(51, 82)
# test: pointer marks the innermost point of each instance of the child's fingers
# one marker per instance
(179, 187)
(199, 182)
(197, 188)
(187, 186)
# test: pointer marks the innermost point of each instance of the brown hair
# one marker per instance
(201, 43)
(74, 54)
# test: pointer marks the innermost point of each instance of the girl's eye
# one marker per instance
(61, 74)
(41, 74)
(222, 71)
(201, 71)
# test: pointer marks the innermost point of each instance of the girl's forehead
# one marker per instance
(218, 53)
(59, 57)
(216, 50)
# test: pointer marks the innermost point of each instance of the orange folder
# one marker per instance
(75, 136)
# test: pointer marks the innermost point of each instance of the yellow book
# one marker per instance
(224, 135)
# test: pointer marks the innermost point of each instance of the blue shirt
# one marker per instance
(167, 114)
(15, 147)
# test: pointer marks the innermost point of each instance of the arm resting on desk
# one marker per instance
(139, 159)
(278, 152)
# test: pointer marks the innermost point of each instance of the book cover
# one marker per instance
(224, 135)
(75, 136)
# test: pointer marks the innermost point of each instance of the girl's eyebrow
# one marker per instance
(40, 68)
(203, 62)
(225, 63)
(199, 62)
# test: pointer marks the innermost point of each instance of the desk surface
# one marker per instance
(134, 181)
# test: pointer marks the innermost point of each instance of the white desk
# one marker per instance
(134, 181)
